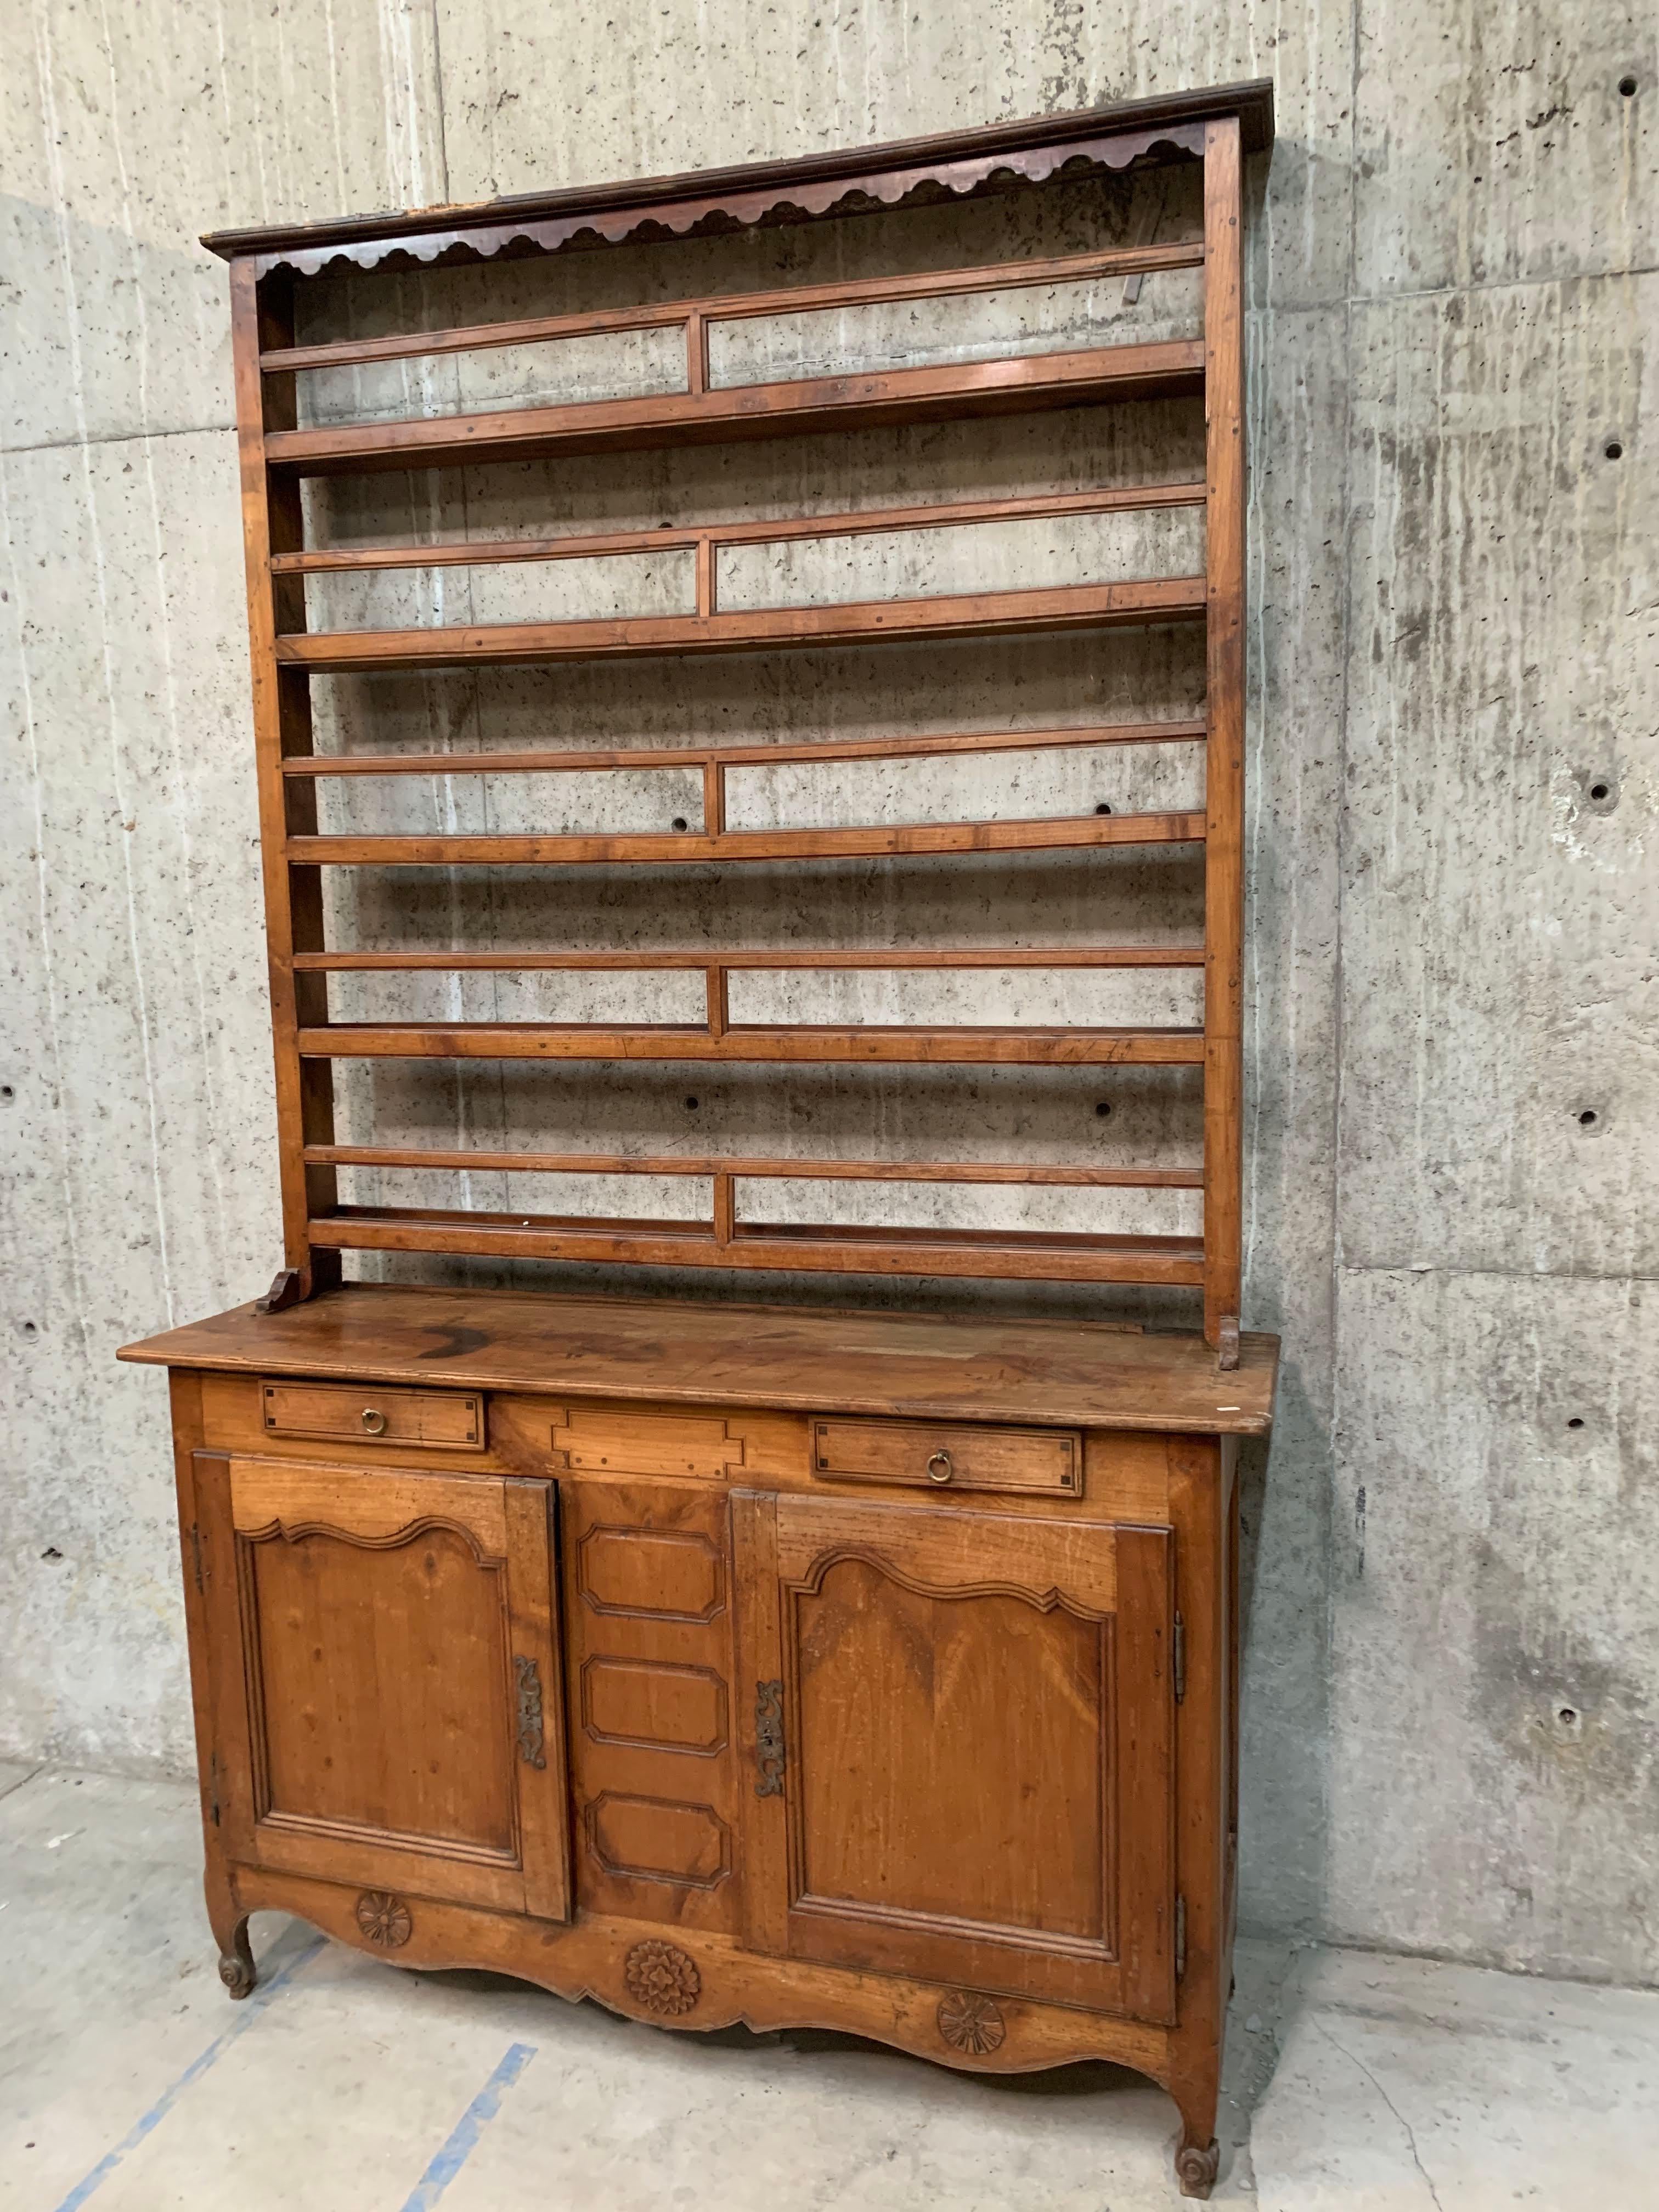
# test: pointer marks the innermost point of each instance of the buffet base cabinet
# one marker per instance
(718, 1709)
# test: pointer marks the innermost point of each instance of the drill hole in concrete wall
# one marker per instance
(1569, 1717)
(1600, 789)
(1614, 449)
(679, 822)
(1576, 1422)
(1103, 808)
(1627, 87)
(8, 1095)
(1589, 1118)
(691, 1105)
(1102, 1110)
(28, 1329)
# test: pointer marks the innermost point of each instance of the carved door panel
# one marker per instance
(387, 1697)
(960, 1727)
(648, 1629)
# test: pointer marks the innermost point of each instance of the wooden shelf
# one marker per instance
(737, 962)
(740, 1168)
(676, 847)
(984, 614)
(709, 538)
(709, 309)
(857, 1044)
(798, 407)
(596, 759)
(1168, 1260)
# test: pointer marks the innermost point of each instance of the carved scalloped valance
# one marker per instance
(1003, 157)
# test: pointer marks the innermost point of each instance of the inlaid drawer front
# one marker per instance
(439, 1420)
(941, 1455)
(603, 1440)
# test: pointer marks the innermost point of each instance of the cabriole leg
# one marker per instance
(1197, 2093)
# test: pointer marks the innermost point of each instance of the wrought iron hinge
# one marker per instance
(196, 1555)
(769, 1739)
(1181, 1939)
(1178, 1659)
(529, 1711)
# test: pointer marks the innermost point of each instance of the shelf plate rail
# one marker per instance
(278, 450)
(709, 412)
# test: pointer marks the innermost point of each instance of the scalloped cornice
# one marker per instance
(952, 166)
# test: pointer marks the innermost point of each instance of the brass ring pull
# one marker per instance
(373, 1421)
(939, 1469)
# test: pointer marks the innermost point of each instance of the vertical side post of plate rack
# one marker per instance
(1224, 855)
(261, 314)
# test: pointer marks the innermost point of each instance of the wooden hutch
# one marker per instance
(869, 1669)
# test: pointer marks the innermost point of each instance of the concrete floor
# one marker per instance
(129, 2082)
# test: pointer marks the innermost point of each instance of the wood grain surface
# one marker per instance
(1064, 1374)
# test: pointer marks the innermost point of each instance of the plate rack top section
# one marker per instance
(280, 452)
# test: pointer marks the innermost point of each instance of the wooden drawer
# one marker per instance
(603, 1439)
(945, 1455)
(438, 1419)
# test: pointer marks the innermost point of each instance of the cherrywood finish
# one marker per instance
(1018, 1048)
(649, 849)
(1223, 785)
(727, 1705)
(941, 1455)
(805, 1247)
(735, 1166)
(982, 614)
(385, 1629)
(867, 522)
(905, 1365)
(705, 756)
(998, 156)
(430, 1418)
(804, 407)
(1215, 129)
(876, 1671)
(728, 307)
(972, 1818)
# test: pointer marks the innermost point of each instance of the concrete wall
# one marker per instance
(1451, 1670)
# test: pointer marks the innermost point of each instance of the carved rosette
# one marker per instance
(970, 2022)
(384, 1919)
(661, 1978)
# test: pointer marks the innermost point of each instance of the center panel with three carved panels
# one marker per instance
(647, 1568)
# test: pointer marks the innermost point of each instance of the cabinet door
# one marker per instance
(960, 1738)
(386, 1691)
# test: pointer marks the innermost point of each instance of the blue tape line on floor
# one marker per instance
(247, 2013)
(454, 2157)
